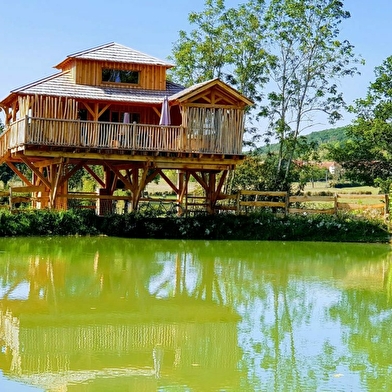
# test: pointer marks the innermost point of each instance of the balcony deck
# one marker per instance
(49, 135)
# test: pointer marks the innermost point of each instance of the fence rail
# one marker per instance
(246, 201)
(243, 202)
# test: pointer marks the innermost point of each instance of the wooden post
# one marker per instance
(386, 209)
(10, 199)
(286, 208)
(238, 202)
(26, 129)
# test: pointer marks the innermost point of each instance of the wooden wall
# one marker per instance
(152, 77)
(47, 107)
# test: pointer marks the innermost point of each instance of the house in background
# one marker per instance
(112, 106)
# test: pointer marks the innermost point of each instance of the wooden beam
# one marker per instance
(19, 173)
(152, 175)
(220, 185)
(209, 106)
(199, 179)
(183, 187)
(71, 172)
(157, 111)
(91, 111)
(36, 171)
(48, 162)
(170, 183)
(141, 185)
(102, 111)
(94, 175)
(55, 183)
(128, 185)
(163, 162)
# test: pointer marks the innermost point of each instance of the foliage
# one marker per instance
(225, 44)
(5, 173)
(367, 154)
(289, 48)
(47, 222)
(309, 58)
(197, 55)
(325, 136)
(319, 138)
(257, 226)
(256, 173)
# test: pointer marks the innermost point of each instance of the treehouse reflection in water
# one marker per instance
(82, 311)
(90, 314)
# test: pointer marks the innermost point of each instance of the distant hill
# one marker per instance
(320, 137)
(328, 135)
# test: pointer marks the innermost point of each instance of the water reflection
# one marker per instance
(92, 314)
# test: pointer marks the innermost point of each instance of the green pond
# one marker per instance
(110, 314)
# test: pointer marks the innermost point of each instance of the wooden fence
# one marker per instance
(246, 201)
(243, 202)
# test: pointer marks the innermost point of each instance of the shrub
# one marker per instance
(263, 225)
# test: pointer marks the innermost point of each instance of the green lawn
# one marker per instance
(322, 186)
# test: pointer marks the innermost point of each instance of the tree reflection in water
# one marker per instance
(208, 316)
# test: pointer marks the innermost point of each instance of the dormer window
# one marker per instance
(119, 76)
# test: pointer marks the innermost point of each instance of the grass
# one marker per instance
(322, 186)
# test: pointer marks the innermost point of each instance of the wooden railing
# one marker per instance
(105, 135)
(246, 201)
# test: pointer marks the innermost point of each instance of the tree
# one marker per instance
(367, 154)
(308, 59)
(226, 44)
(200, 55)
(286, 51)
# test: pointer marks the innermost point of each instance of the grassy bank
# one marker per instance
(260, 226)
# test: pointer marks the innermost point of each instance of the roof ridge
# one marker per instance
(93, 49)
(115, 44)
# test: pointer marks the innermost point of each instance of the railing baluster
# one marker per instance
(89, 134)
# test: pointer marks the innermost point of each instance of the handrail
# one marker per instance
(108, 135)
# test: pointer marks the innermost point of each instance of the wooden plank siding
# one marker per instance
(89, 73)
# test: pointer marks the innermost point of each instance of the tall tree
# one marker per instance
(226, 43)
(200, 55)
(309, 58)
(367, 154)
(285, 52)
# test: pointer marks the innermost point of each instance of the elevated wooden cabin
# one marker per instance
(112, 106)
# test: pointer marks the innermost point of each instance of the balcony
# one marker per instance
(133, 138)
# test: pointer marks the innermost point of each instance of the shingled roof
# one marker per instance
(115, 53)
(62, 85)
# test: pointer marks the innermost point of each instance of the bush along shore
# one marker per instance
(256, 226)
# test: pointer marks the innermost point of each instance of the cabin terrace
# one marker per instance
(112, 106)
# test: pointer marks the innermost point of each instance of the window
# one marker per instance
(129, 117)
(118, 76)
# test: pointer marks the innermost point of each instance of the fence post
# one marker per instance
(286, 209)
(10, 199)
(238, 202)
(335, 203)
(386, 209)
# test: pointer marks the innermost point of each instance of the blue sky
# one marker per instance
(38, 34)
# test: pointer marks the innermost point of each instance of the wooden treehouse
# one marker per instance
(112, 107)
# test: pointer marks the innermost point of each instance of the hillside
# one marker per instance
(328, 135)
(320, 137)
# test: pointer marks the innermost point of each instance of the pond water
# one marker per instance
(109, 314)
